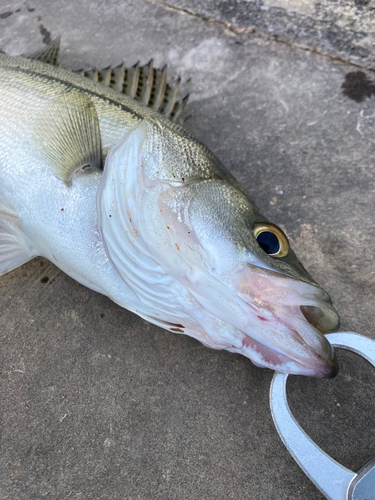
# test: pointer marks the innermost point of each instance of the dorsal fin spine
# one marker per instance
(146, 78)
(104, 76)
(92, 74)
(133, 80)
(117, 78)
(178, 108)
(170, 97)
(159, 86)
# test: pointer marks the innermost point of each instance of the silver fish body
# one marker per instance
(164, 230)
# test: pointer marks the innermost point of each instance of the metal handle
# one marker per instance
(330, 477)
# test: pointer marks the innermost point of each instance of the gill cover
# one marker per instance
(118, 199)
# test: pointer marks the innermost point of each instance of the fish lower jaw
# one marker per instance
(265, 357)
(292, 344)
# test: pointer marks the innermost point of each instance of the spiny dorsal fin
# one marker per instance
(143, 83)
(67, 135)
(49, 54)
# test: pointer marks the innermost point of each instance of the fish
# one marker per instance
(99, 176)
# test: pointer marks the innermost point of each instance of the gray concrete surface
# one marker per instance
(341, 28)
(99, 404)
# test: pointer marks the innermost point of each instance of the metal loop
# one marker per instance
(330, 477)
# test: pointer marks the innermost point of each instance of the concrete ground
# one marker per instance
(97, 403)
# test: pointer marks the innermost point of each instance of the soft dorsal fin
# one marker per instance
(143, 83)
(67, 134)
(48, 54)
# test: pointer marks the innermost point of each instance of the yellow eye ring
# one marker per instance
(262, 232)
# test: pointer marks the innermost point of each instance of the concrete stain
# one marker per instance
(357, 86)
(4, 15)
(46, 34)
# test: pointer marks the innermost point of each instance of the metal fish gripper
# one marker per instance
(334, 480)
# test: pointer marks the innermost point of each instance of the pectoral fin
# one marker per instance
(67, 135)
(15, 248)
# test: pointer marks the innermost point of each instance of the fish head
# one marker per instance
(239, 280)
(241, 269)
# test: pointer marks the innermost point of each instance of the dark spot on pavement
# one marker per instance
(17, 10)
(5, 14)
(30, 9)
(357, 86)
(331, 36)
(46, 34)
(45, 279)
(102, 315)
(39, 18)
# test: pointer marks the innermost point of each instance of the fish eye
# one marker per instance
(271, 239)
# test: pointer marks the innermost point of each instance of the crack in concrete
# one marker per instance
(202, 17)
(255, 33)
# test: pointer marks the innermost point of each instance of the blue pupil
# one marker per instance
(269, 242)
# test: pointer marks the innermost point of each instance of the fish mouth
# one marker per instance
(314, 357)
(292, 319)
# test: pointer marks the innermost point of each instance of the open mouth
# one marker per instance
(276, 321)
(292, 320)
